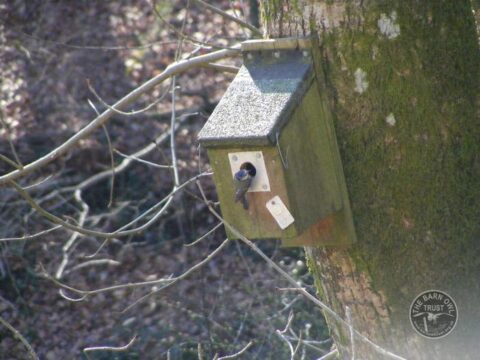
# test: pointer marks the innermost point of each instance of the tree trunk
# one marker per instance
(402, 81)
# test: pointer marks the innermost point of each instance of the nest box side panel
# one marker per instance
(256, 222)
(313, 186)
(337, 229)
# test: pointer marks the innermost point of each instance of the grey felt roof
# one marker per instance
(260, 99)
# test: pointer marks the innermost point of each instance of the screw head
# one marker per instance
(259, 155)
(264, 187)
(234, 157)
(276, 54)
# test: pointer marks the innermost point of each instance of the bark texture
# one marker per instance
(402, 80)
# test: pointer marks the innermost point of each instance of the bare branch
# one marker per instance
(129, 113)
(299, 342)
(330, 356)
(38, 183)
(110, 348)
(348, 314)
(10, 162)
(205, 235)
(166, 282)
(171, 70)
(33, 236)
(237, 354)
(200, 352)
(93, 262)
(176, 179)
(181, 35)
(281, 334)
(312, 344)
(110, 150)
(126, 162)
(112, 165)
(20, 337)
(146, 162)
(56, 220)
(66, 248)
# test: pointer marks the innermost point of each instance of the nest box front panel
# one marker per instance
(257, 222)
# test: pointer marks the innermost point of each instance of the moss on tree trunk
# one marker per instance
(402, 80)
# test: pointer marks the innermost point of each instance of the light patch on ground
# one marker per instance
(361, 83)
(390, 120)
(388, 25)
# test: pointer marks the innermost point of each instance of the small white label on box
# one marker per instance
(280, 212)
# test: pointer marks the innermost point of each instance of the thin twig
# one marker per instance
(240, 22)
(348, 314)
(126, 162)
(281, 334)
(20, 337)
(68, 245)
(33, 236)
(93, 262)
(181, 35)
(232, 7)
(110, 150)
(146, 162)
(331, 355)
(38, 183)
(310, 343)
(237, 354)
(200, 352)
(125, 113)
(176, 179)
(112, 166)
(10, 162)
(178, 51)
(204, 236)
(110, 348)
(299, 342)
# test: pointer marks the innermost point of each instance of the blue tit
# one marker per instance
(242, 181)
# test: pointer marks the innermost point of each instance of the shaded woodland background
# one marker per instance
(48, 50)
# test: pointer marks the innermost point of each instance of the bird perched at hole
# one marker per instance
(242, 181)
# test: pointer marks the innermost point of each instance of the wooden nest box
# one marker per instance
(273, 117)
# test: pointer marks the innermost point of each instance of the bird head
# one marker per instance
(249, 168)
